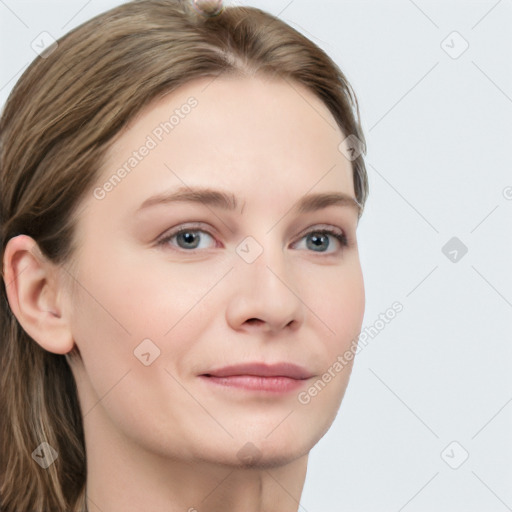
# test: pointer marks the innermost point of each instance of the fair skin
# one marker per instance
(161, 437)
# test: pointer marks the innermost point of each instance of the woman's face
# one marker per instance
(154, 312)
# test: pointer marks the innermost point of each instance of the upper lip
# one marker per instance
(258, 369)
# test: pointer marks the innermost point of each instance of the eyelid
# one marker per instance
(321, 227)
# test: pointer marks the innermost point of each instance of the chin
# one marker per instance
(260, 450)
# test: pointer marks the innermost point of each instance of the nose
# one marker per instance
(265, 294)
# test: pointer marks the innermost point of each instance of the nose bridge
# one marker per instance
(265, 288)
(265, 262)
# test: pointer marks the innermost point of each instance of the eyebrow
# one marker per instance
(227, 201)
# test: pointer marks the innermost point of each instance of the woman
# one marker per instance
(181, 185)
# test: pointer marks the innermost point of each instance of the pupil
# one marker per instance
(188, 237)
(317, 240)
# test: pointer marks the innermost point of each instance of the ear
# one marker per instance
(33, 292)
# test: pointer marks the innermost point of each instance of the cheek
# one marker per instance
(342, 307)
(116, 309)
(124, 302)
(134, 298)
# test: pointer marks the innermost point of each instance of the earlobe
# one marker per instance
(32, 289)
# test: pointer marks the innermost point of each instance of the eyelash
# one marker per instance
(340, 237)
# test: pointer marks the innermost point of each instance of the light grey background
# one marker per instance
(437, 124)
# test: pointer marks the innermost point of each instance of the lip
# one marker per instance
(258, 369)
(257, 376)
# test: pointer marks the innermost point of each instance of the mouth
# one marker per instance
(274, 378)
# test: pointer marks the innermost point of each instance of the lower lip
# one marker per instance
(255, 383)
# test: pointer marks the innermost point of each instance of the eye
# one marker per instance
(187, 238)
(318, 240)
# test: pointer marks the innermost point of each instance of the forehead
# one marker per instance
(240, 134)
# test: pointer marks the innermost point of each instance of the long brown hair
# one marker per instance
(59, 120)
